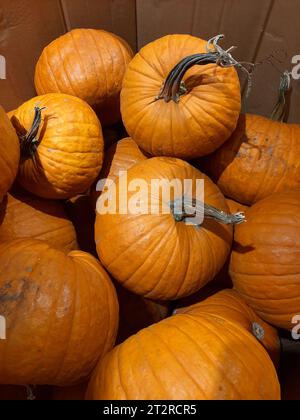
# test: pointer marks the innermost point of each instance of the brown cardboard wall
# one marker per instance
(262, 29)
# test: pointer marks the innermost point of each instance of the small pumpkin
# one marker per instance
(260, 158)
(121, 156)
(206, 353)
(61, 143)
(9, 153)
(157, 254)
(264, 264)
(89, 64)
(170, 111)
(23, 215)
(61, 314)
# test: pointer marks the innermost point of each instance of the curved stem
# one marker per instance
(29, 141)
(209, 212)
(280, 108)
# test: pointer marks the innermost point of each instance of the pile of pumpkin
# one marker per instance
(157, 286)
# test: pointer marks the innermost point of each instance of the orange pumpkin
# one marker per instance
(22, 215)
(260, 158)
(61, 144)
(9, 153)
(194, 112)
(265, 259)
(156, 253)
(121, 156)
(234, 206)
(89, 64)
(206, 353)
(61, 314)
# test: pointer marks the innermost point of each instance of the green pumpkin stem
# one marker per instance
(173, 87)
(210, 212)
(280, 108)
(29, 141)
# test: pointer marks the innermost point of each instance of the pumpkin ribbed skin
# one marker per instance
(264, 264)
(152, 254)
(9, 153)
(89, 64)
(121, 156)
(198, 355)
(259, 159)
(202, 119)
(22, 215)
(70, 151)
(61, 314)
(229, 305)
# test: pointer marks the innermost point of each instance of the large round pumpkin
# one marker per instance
(61, 143)
(88, 63)
(9, 153)
(61, 314)
(23, 215)
(260, 158)
(121, 156)
(190, 122)
(207, 353)
(157, 254)
(265, 265)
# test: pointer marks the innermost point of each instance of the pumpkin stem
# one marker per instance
(280, 108)
(30, 394)
(258, 331)
(210, 212)
(29, 141)
(174, 87)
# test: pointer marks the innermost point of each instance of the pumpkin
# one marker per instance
(61, 144)
(260, 158)
(230, 305)
(193, 113)
(265, 260)
(23, 215)
(197, 355)
(89, 64)
(61, 314)
(9, 153)
(119, 157)
(152, 250)
(137, 313)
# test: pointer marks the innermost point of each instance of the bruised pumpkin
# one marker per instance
(61, 314)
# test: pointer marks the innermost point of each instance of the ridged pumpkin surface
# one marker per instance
(70, 150)
(88, 63)
(197, 355)
(23, 215)
(9, 153)
(265, 266)
(260, 158)
(203, 118)
(152, 254)
(119, 157)
(61, 314)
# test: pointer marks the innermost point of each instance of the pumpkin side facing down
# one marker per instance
(187, 357)
(89, 64)
(121, 156)
(151, 253)
(69, 153)
(61, 314)
(264, 264)
(9, 153)
(228, 304)
(200, 120)
(259, 159)
(22, 215)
